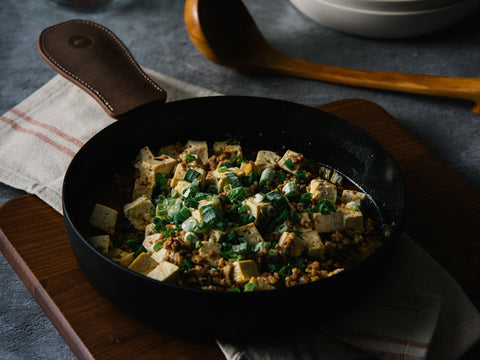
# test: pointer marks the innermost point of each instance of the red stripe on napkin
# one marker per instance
(39, 135)
(49, 127)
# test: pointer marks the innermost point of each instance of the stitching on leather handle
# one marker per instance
(117, 41)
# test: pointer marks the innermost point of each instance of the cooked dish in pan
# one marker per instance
(221, 219)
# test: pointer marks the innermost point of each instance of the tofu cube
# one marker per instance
(163, 255)
(304, 222)
(104, 218)
(143, 186)
(260, 284)
(144, 154)
(266, 159)
(291, 161)
(150, 241)
(220, 179)
(293, 245)
(143, 264)
(162, 164)
(315, 245)
(139, 212)
(121, 257)
(164, 271)
(150, 229)
(262, 211)
(352, 220)
(210, 251)
(352, 195)
(102, 243)
(327, 223)
(248, 167)
(250, 233)
(198, 148)
(181, 186)
(230, 150)
(244, 270)
(322, 190)
(181, 170)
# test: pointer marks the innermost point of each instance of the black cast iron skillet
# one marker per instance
(93, 58)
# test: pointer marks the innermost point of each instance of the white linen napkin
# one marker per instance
(419, 312)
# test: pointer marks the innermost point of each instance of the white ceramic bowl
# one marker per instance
(387, 19)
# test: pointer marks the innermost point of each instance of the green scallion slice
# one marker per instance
(191, 175)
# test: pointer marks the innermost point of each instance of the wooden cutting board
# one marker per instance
(441, 216)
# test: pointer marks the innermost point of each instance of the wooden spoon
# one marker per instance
(226, 34)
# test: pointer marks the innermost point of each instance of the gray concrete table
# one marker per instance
(155, 33)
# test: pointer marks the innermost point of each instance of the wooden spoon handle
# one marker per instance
(463, 88)
(92, 57)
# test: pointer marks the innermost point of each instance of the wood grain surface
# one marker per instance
(441, 215)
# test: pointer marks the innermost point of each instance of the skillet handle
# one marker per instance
(93, 58)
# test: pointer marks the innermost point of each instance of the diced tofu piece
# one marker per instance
(172, 150)
(262, 211)
(121, 257)
(143, 186)
(248, 167)
(215, 235)
(220, 179)
(181, 170)
(162, 164)
(291, 161)
(352, 220)
(260, 284)
(150, 241)
(244, 270)
(315, 245)
(210, 251)
(352, 195)
(163, 255)
(104, 218)
(150, 229)
(102, 243)
(250, 233)
(266, 159)
(322, 190)
(199, 148)
(327, 223)
(164, 271)
(143, 264)
(181, 186)
(230, 150)
(144, 154)
(139, 212)
(293, 245)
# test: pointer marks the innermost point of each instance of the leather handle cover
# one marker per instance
(92, 57)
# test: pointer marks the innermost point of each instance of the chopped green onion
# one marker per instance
(235, 289)
(186, 265)
(161, 181)
(285, 270)
(157, 246)
(282, 176)
(249, 287)
(267, 177)
(290, 187)
(140, 250)
(289, 164)
(222, 169)
(190, 158)
(190, 224)
(301, 176)
(191, 175)
(190, 237)
(306, 197)
(233, 179)
(326, 207)
(258, 246)
(183, 214)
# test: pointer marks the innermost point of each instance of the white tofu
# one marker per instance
(215, 235)
(143, 186)
(143, 264)
(260, 284)
(162, 164)
(327, 223)
(294, 245)
(297, 160)
(150, 241)
(144, 154)
(181, 186)
(230, 150)
(121, 257)
(266, 159)
(315, 245)
(304, 222)
(244, 270)
(352, 195)
(210, 251)
(164, 271)
(262, 211)
(104, 218)
(150, 229)
(101, 243)
(322, 190)
(248, 167)
(181, 170)
(139, 212)
(250, 233)
(163, 255)
(352, 220)
(220, 179)
(198, 148)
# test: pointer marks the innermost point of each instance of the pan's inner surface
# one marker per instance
(257, 123)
